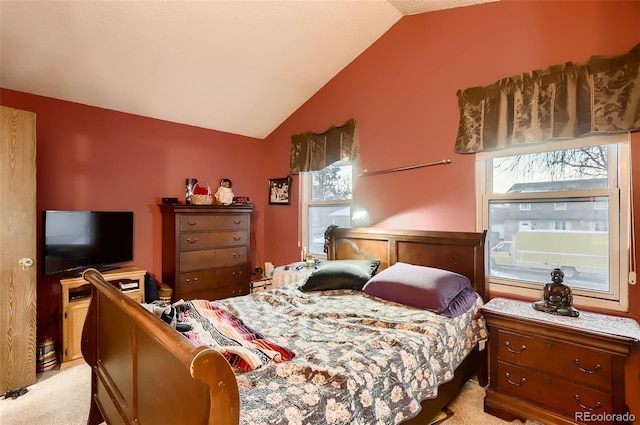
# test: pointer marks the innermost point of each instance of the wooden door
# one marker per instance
(17, 249)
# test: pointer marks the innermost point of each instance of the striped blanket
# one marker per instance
(243, 347)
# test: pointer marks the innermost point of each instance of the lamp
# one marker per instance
(360, 217)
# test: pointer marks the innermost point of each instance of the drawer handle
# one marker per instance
(194, 240)
(195, 280)
(581, 369)
(511, 350)
(237, 238)
(237, 221)
(517, 384)
(597, 406)
(237, 254)
(192, 223)
(237, 274)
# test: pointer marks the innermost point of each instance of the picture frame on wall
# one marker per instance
(280, 191)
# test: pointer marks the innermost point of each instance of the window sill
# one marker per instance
(618, 308)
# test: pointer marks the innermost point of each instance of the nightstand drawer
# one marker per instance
(551, 392)
(213, 279)
(572, 362)
(213, 258)
(190, 223)
(207, 240)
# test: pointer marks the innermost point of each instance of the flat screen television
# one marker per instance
(75, 240)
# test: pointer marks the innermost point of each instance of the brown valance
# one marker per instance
(563, 101)
(313, 151)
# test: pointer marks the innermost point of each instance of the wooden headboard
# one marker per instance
(460, 252)
(143, 371)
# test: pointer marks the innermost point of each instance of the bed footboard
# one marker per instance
(143, 371)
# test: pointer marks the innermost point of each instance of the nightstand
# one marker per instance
(260, 283)
(294, 272)
(556, 369)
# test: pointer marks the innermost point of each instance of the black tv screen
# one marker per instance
(76, 240)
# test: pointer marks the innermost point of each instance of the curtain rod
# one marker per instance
(408, 167)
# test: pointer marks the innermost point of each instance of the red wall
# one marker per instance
(96, 159)
(402, 90)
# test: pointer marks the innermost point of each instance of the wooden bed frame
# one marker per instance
(144, 372)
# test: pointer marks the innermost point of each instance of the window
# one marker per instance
(560, 225)
(567, 209)
(560, 206)
(600, 205)
(326, 200)
(525, 206)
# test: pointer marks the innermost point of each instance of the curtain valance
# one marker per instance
(562, 101)
(313, 151)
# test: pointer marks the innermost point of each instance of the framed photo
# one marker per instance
(280, 191)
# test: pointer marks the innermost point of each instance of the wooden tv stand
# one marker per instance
(76, 294)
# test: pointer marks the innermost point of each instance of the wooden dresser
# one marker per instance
(556, 369)
(205, 250)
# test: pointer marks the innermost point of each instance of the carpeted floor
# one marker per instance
(467, 408)
(62, 398)
(57, 398)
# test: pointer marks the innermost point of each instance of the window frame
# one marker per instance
(617, 299)
(305, 202)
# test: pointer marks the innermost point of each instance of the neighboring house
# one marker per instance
(576, 216)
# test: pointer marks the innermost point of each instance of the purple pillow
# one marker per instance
(460, 303)
(422, 287)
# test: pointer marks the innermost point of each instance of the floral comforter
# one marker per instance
(358, 359)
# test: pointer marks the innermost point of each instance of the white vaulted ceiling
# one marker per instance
(239, 66)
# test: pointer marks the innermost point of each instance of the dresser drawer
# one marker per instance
(219, 293)
(213, 279)
(550, 392)
(190, 223)
(193, 241)
(212, 258)
(572, 362)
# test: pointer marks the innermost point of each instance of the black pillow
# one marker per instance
(341, 274)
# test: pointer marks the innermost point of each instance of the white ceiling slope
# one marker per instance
(238, 66)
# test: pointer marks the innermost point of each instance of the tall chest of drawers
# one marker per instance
(557, 369)
(206, 250)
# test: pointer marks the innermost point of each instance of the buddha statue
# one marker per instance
(557, 297)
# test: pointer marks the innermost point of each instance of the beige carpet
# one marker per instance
(467, 408)
(57, 398)
(62, 398)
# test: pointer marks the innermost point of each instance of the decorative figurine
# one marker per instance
(224, 194)
(190, 183)
(557, 297)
